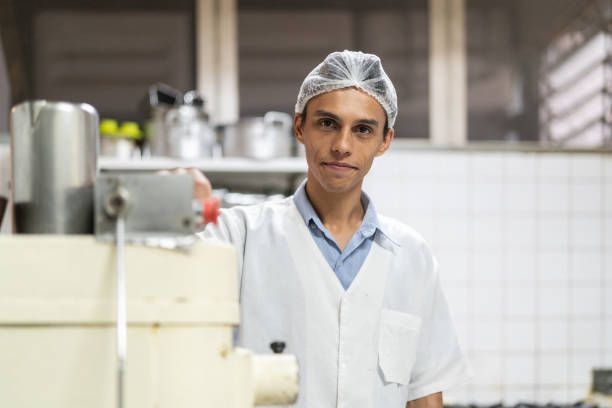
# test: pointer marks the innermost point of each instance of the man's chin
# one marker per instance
(338, 187)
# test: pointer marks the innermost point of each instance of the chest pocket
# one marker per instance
(397, 344)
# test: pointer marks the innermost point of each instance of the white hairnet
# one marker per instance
(350, 69)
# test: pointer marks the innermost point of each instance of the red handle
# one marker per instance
(210, 210)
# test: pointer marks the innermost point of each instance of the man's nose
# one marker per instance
(342, 142)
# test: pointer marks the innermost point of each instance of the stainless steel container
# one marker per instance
(54, 149)
(266, 137)
(188, 134)
(180, 126)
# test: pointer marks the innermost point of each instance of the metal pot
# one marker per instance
(180, 126)
(265, 137)
(188, 133)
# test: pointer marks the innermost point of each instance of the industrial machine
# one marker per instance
(139, 314)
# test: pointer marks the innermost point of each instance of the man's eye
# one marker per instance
(363, 129)
(327, 123)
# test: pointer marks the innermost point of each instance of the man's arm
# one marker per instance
(429, 401)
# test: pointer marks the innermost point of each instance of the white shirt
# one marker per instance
(386, 340)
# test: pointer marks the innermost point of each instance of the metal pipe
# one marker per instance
(121, 312)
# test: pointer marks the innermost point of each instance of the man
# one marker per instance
(354, 295)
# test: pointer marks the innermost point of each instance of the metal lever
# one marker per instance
(115, 205)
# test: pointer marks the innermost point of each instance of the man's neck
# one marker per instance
(341, 213)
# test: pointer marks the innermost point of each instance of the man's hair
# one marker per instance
(385, 128)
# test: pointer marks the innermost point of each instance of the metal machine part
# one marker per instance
(115, 206)
(121, 310)
(602, 382)
(154, 206)
(54, 150)
(114, 201)
(601, 388)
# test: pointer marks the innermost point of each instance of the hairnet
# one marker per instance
(350, 69)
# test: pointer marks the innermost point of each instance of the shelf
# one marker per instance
(293, 165)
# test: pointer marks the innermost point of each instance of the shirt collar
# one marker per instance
(369, 225)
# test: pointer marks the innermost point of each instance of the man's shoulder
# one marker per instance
(402, 233)
(266, 211)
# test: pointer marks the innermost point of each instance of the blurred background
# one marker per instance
(502, 157)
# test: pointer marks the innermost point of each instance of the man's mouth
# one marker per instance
(339, 166)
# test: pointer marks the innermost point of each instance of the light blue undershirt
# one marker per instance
(345, 264)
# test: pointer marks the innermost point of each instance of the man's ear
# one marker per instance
(298, 128)
(386, 142)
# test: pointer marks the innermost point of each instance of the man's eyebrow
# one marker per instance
(327, 114)
(368, 122)
(320, 112)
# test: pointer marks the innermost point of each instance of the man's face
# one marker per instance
(342, 134)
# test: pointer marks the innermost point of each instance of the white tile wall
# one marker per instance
(553, 231)
(552, 368)
(454, 270)
(586, 267)
(585, 198)
(607, 192)
(607, 303)
(552, 267)
(488, 301)
(585, 302)
(553, 198)
(487, 266)
(552, 335)
(520, 231)
(553, 301)
(585, 167)
(519, 370)
(551, 393)
(520, 301)
(520, 265)
(607, 231)
(586, 232)
(487, 369)
(524, 242)
(487, 337)
(586, 334)
(519, 198)
(487, 232)
(520, 336)
(487, 199)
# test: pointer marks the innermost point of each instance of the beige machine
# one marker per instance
(58, 314)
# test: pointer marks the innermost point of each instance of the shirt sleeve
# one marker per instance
(440, 362)
(230, 228)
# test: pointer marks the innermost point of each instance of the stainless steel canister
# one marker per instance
(265, 137)
(54, 150)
